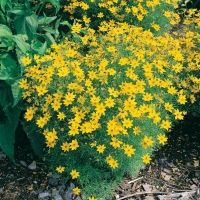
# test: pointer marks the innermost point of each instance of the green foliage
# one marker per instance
(24, 29)
(140, 13)
(9, 119)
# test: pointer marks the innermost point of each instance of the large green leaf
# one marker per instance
(26, 25)
(45, 20)
(17, 10)
(36, 139)
(49, 38)
(6, 101)
(23, 46)
(7, 139)
(16, 92)
(8, 68)
(39, 47)
(9, 123)
(3, 4)
(5, 31)
(2, 18)
(55, 3)
(47, 29)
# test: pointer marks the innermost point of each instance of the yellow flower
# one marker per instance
(65, 146)
(178, 114)
(76, 191)
(100, 15)
(162, 139)
(115, 143)
(110, 102)
(147, 142)
(129, 150)
(146, 158)
(41, 122)
(166, 124)
(26, 61)
(74, 174)
(61, 116)
(136, 130)
(74, 144)
(23, 84)
(60, 169)
(92, 198)
(155, 26)
(101, 148)
(76, 28)
(182, 99)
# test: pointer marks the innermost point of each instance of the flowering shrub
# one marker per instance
(105, 101)
(157, 15)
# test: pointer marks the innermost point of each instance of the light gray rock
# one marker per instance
(1, 190)
(68, 194)
(55, 193)
(170, 164)
(167, 177)
(32, 166)
(43, 195)
(53, 181)
(2, 156)
(149, 198)
(147, 187)
(167, 170)
(23, 163)
(57, 197)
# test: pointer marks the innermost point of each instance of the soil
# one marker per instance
(174, 169)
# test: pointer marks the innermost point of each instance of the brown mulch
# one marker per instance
(175, 168)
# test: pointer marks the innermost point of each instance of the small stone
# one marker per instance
(167, 177)
(78, 198)
(163, 173)
(2, 156)
(170, 164)
(40, 190)
(125, 193)
(163, 159)
(195, 181)
(53, 181)
(1, 190)
(196, 163)
(57, 197)
(68, 194)
(19, 179)
(167, 170)
(149, 198)
(147, 187)
(188, 164)
(197, 173)
(23, 163)
(43, 195)
(55, 192)
(32, 166)
(116, 196)
(193, 187)
(72, 186)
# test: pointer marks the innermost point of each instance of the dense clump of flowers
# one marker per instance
(157, 15)
(103, 103)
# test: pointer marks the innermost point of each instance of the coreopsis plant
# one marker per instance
(104, 102)
(158, 16)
